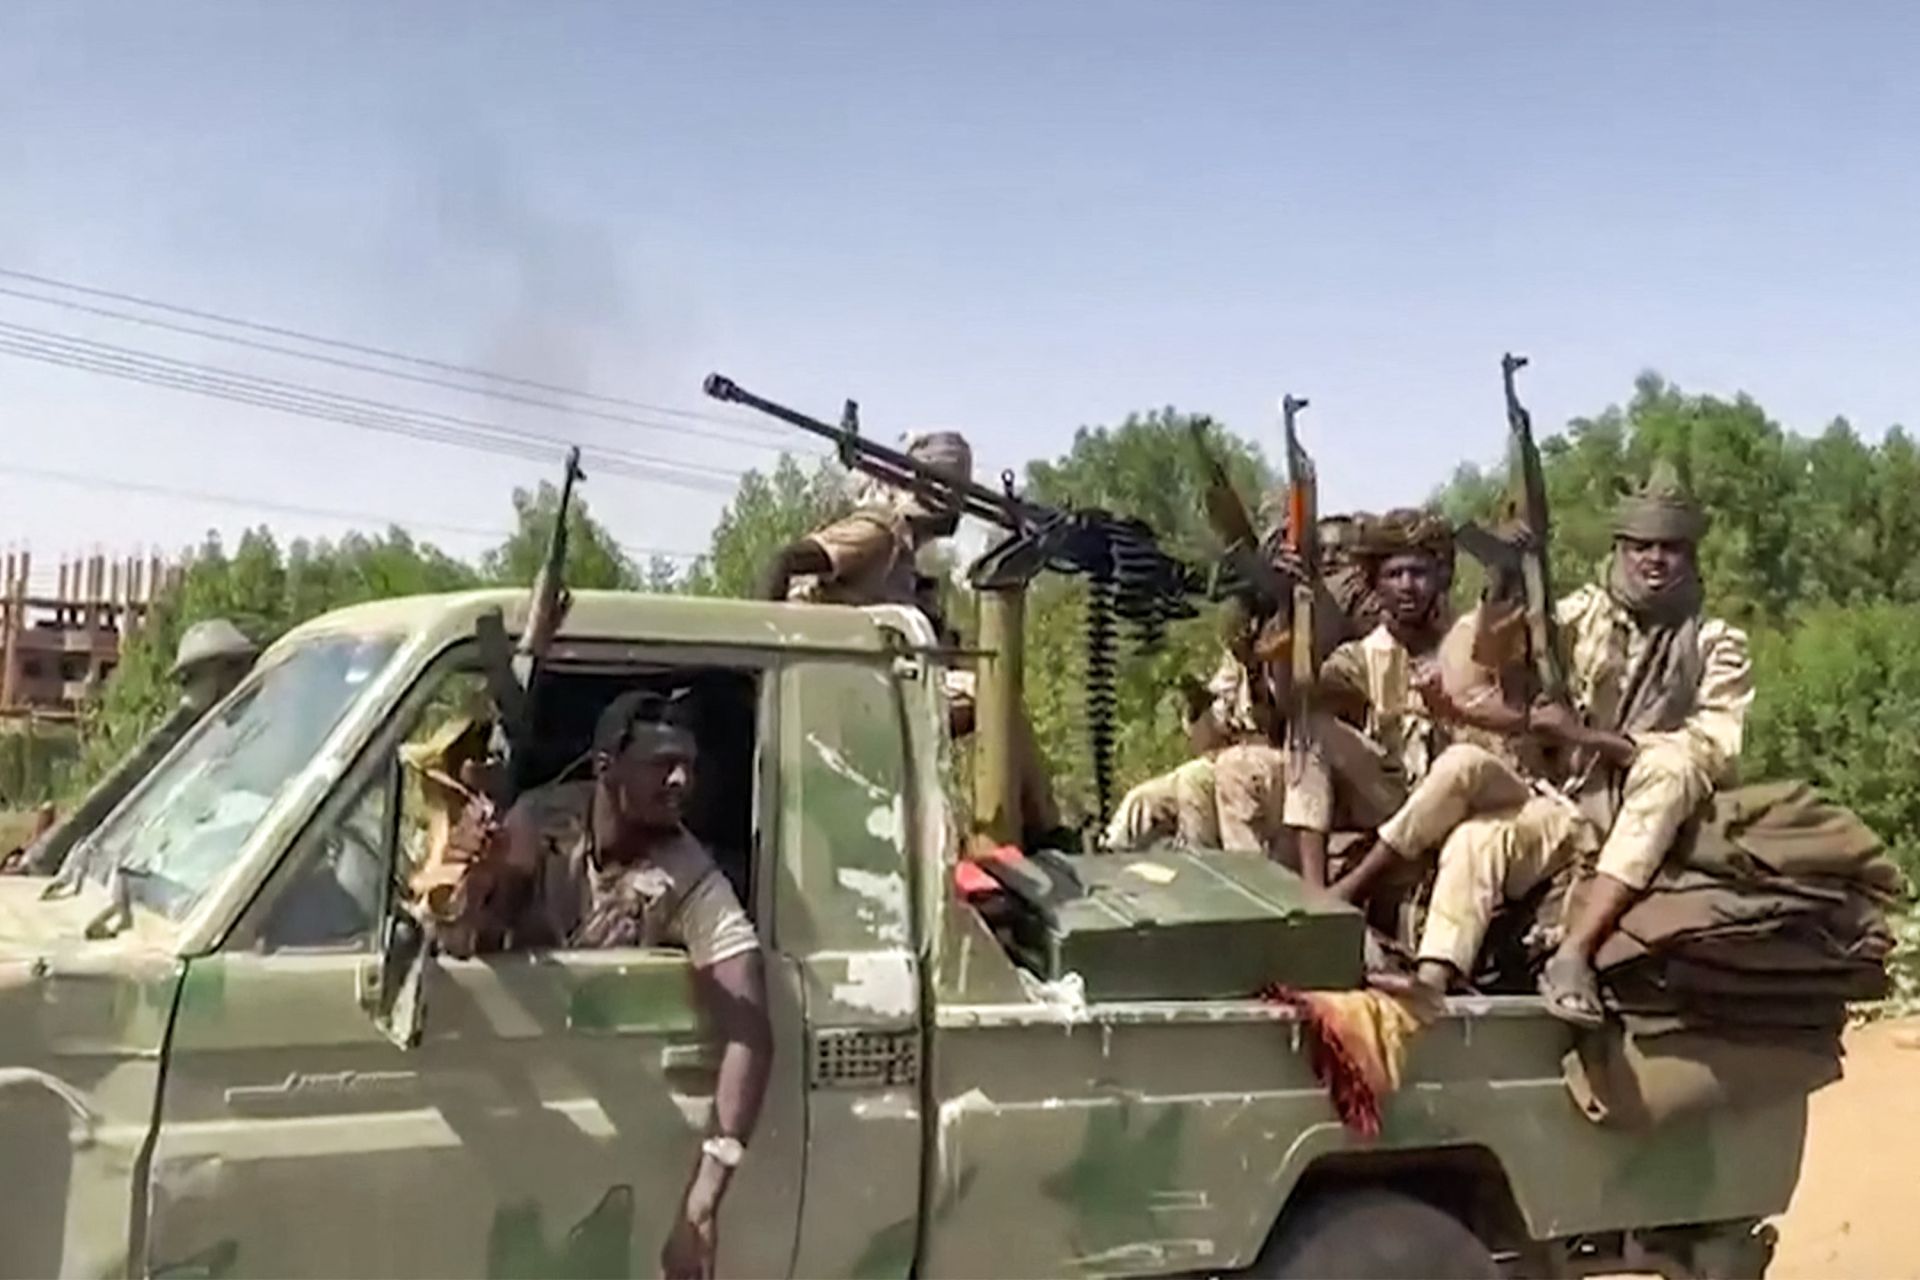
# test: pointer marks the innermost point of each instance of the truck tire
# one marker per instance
(1373, 1234)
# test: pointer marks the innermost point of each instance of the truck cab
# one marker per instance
(222, 1050)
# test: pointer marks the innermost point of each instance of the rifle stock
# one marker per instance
(1227, 516)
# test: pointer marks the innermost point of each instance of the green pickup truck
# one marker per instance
(201, 1072)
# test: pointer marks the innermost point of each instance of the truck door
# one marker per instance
(544, 1125)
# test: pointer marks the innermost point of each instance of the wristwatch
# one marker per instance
(724, 1150)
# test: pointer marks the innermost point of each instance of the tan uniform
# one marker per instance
(1376, 766)
(871, 554)
(1502, 830)
(1672, 771)
(1255, 799)
(1178, 805)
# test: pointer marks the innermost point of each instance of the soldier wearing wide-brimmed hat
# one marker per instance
(212, 658)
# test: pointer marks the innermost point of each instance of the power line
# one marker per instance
(111, 359)
(423, 379)
(90, 346)
(229, 500)
(365, 349)
(285, 508)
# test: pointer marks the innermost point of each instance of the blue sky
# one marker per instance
(1013, 218)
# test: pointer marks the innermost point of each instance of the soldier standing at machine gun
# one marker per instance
(870, 556)
(1130, 580)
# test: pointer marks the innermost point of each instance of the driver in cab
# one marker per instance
(608, 862)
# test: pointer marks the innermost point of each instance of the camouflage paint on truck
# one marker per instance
(210, 1103)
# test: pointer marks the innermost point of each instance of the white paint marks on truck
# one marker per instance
(883, 906)
(880, 984)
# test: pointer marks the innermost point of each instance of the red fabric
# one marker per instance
(972, 880)
(1354, 1098)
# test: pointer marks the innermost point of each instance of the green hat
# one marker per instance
(215, 640)
(1661, 510)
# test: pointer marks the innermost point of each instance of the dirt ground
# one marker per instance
(1857, 1211)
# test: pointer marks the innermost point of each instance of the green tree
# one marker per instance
(767, 512)
(594, 558)
(265, 594)
(1796, 523)
(1839, 705)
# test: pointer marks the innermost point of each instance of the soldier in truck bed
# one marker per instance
(1236, 793)
(869, 557)
(1660, 694)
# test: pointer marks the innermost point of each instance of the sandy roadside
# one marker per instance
(1856, 1213)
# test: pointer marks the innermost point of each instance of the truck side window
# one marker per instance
(721, 708)
(339, 867)
(407, 796)
(334, 900)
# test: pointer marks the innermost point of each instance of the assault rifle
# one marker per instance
(513, 673)
(1303, 605)
(1263, 588)
(513, 676)
(1303, 539)
(1517, 562)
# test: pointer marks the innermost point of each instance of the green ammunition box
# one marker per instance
(1172, 925)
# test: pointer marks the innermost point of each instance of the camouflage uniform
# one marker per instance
(1522, 831)
(1675, 767)
(1179, 805)
(1255, 798)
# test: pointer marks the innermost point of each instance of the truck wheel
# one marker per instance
(1373, 1234)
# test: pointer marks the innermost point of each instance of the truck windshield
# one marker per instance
(184, 828)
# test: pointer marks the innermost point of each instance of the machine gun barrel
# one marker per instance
(888, 465)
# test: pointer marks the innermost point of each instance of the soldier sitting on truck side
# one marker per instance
(1661, 693)
(1236, 794)
(1660, 696)
(212, 659)
(608, 862)
(1485, 802)
(869, 557)
(1378, 682)
(1177, 805)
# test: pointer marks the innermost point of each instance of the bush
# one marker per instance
(34, 763)
(1839, 705)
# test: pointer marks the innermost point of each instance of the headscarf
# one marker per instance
(1661, 510)
(1660, 690)
(1403, 531)
(945, 452)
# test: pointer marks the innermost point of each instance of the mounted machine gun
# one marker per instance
(1130, 579)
